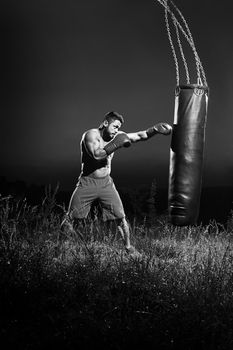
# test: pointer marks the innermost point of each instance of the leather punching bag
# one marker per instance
(186, 154)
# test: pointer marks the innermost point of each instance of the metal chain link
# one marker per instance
(182, 52)
(172, 47)
(198, 61)
(188, 37)
(191, 43)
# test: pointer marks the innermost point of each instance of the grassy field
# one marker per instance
(59, 290)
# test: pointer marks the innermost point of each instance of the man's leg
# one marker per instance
(70, 226)
(113, 210)
(67, 225)
(79, 206)
(123, 228)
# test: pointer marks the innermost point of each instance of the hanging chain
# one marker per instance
(197, 58)
(181, 52)
(188, 37)
(172, 47)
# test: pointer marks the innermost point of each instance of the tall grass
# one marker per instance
(60, 290)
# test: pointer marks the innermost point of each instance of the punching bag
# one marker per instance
(186, 154)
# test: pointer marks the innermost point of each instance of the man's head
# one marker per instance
(112, 116)
(111, 125)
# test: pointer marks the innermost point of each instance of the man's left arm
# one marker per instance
(160, 128)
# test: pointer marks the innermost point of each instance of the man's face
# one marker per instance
(112, 129)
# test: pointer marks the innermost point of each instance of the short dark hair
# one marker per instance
(111, 116)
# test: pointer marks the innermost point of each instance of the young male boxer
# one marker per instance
(95, 183)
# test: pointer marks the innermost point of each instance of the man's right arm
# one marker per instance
(92, 143)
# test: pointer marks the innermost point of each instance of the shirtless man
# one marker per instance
(97, 150)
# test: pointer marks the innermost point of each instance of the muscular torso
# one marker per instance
(90, 165)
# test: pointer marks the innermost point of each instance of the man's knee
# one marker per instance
(122, 222)
(72, 220)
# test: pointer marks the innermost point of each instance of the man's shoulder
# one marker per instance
(91, 133)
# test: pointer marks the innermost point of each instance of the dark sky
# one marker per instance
(66, 63)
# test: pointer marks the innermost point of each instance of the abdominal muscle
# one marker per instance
(95, 168)
(102, 172)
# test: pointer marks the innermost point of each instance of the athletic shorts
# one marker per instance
(90, 189)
